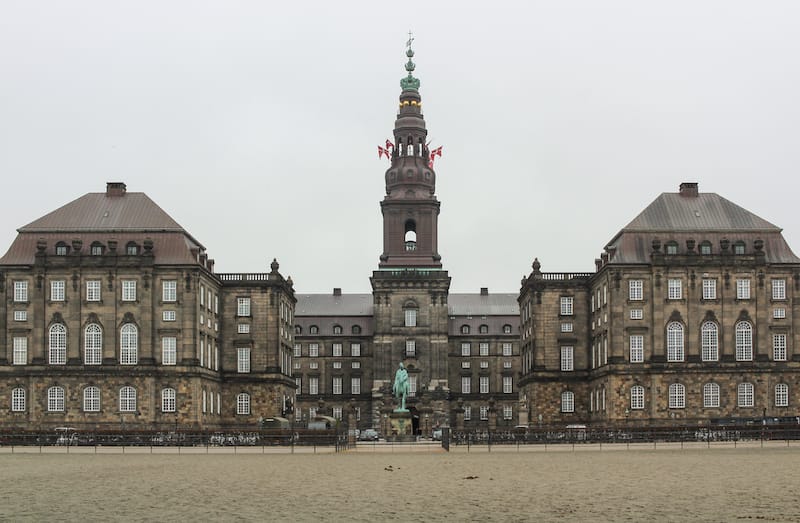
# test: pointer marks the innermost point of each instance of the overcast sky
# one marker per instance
(255, 124)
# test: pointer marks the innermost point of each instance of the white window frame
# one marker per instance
(567, 358)
(91, 399)
(355, 350)
(677, 396)
(58, 290)
(743, 289)
(243, 404)
(128, 290)
(313, 385)
(127, 399)
(467, 413)
(243, 307)
(675, 341)
(507, 349)
(483, 348)
(57, 344)
(243, 360)
(18, 399)
(744, 341)
(336, 350)
(410, 317)
(129, 344)
(674, 289)
(779, 347)
(778, 289)
(20, 315)
(567, 402)
(94, 290)
(336, 385)
(508, 384)
(466, 349)
(243, 328)
(412, 386)
(566, 326)
(313, 350)
(779, 313)
(709, 341)
(745, 396)
(709, 289)
(168, 400)
(20, 291)
(355, 386)
(711, 395)
(20, 350)
(508, 412)
(636, 345)
(55, 399)
(566, 305)
(169, 350)
(635, 290)
(637, 397)
(782, 395)
(484, 412)
(93, 344)
(168, 315)
(637, 314)
(483, 384)
(298, 350)
(169, 290)
(466, 384)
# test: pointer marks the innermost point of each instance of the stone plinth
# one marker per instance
(402, 428)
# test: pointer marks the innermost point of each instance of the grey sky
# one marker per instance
(255, 124)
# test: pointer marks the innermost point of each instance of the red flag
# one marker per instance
(382, 151)
(437, 151)
(389, 145)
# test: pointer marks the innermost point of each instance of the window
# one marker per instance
(674, 341)
(355, 350)
(96, 249)
(128, 290)
(567, 360)
(20, 354)
(705, 247)
(709, 341)
(484, 364)
(506, 329)
(677, 396)
(779, 347)
(337, 350)
(467, 413)
(709, 289)
(412, 386)
(18, 400)
(93, 345)
(313, 329)
(356, 329)
(168, 316)
(411, 348)
(483, 329)
(355, 365)
(465, 329)
(129, 344)
(466, 385)
(243, 307)
(337, 412)
(567, 402)
(55, 399)
(298, 350)
(313, 365)
(781, 395)
(672, 248)
(566, 305)
(313, 350)
(168, 400)
(465, 364)
(58, 344)
(635, 290)
(243, 404)
(637, 348)
(506, 364)
(465, 349)
(21, 291)
(127, 399)
(91, 399)
(743, 289)
(169, 346)
(410, 317)
(484, 411)
(20, 315)
(778, 289)
(243, 328)
(337, 385)
(355, 386)
(779, 313)
(506, 349)
(93, 290)
(637, 314)
(745, 395)
(566, 326)
(169, 290)
(483, 349)
(637, 397)
(337, 329)
(243, 360)
(313, 385)
(710, 395)
(57, 290)
(744, 341)
(61, 249)
(484, 384)
(508, 412)
(131, 249)
(508, 384)
(337, 364)
(738, 247)
(674, 289)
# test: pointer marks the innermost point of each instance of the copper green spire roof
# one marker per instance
(409, 83)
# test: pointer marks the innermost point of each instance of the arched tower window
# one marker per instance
(93, 344)
(411, 235)
(58, 344)
(129, 344)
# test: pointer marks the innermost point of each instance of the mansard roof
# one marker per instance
(483, 304)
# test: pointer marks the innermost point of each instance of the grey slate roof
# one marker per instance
(361, 305)
(483, 305)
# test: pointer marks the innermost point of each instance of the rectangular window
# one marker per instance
(778, 289)
(411, 317)
(779, 347)
(745, 395)
(313, 350)
(566, 305)
(465, 364)
(743, 289)
(168, 315)
(506, 349)
(637, 348)
(91, 399)
(337, 350)
(337, 412)
(337, 385)
(567, 402)
(57, 290)
(781, 395)
(169, 346)
(467, 413)
(465, 349)
(506, 364)
(508, 412)
(355, 365)
(128, 290)
(411, 348)
(709, 289)
(484, 412)
(313, 365)
(243, 328)
(484, 384)
(355, 350)
(243, 360)
(635, 290)
(484, 364)
(93, 290)
(567, 362)
(169, 290)
(21, 291)
(412, 386)
(779, 313)
(202, 294)
(483, 349)
(674, 289)
(508, 384)
(466, 385)
(298, 350)
(355, 386)
(243, 307)
(566, 327)
(20, 315)
(637, 314)
(637, 397)
(20, 356)
(337, 364)
(313, 385)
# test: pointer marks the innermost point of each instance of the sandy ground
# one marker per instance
(374, 484)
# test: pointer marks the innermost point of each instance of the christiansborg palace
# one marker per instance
(111, 315)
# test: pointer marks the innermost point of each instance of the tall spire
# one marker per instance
(409, 83)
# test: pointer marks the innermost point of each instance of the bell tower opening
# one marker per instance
(411, 236)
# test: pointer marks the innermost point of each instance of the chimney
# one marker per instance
(688, 189)
(484, 291)
(337, 291)
(115, 189)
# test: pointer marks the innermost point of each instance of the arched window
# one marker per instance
(710, 395)
(781, 395)
(744, 341)
(672, 248)
(61, 249)
(506, 329)
(674, 341)
(131, 249)
(129, 344)
(677, 396)
(410, 316)
(55, 399)
(93, 345)
(709, 341)
(738, 247)
(465, 329)
(127, 399)
(243, 403)
(298, 330)
(58, 344)
(18, 400)
(705, 247)
(167, 400)
(91, 399)
(637, 397)
(483, 329)
(745, 395)
(567, 401)
(411, 235)
(313, 329)
(356, 329)
(96, 249)
(337, 329)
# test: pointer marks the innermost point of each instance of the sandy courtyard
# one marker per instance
(663, 485)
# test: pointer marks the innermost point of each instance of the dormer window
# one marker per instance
(313, 329)
(61, 249)
(465, 329)
(483, 329)
(131, 249)
(337, 329)
(672, 248)
(705, 247)
(356, 329)
(506, 329)
(738, 247)
(298, 330)
(96, 249)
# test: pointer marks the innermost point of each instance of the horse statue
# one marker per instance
(400, 387)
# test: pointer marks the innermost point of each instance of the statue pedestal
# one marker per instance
(402, 429)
